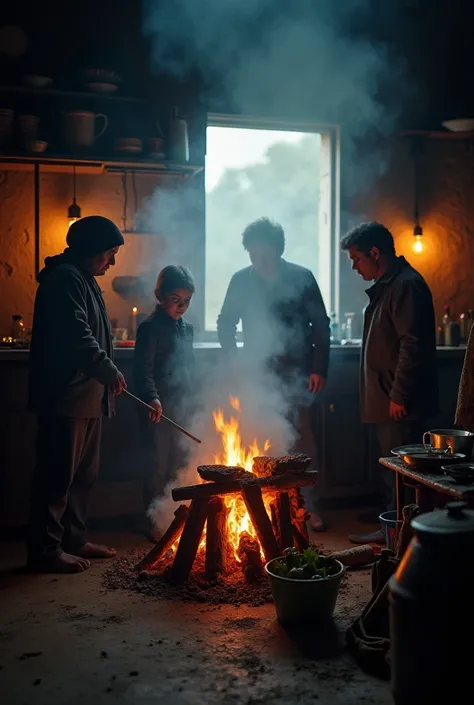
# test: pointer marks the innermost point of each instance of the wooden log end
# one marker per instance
(250, 557)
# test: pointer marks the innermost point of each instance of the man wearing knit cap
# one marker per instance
(73, 380)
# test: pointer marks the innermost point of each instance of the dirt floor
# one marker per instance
(68, 639)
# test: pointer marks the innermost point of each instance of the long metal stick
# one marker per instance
(165, 418)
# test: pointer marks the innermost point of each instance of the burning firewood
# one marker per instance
(253, 501)
(300, 516)
(217, 543)
(221, 473)
(189, 542)
(286, 465)
(284, 520)
(250, 558)
(212, 489)
(276, 521)
(167, 540)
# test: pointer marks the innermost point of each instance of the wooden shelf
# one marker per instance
(438, 135)
(57, 92)
(97, 165)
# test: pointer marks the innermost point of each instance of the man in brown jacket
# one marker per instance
(398, 373)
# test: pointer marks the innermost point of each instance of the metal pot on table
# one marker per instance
(449, 440)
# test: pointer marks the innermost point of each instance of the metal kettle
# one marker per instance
(431, 599)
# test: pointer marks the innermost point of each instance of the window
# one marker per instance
(286, 173)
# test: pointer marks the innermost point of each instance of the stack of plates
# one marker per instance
(462, 474)
(129, 145)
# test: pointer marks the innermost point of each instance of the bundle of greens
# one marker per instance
(309, 565)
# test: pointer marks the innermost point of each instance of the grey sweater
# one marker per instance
(284, 323)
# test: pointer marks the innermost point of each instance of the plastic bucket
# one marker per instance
(388, 520)
(303, 601)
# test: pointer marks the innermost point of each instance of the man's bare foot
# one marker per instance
(95, 550)
(64, 563)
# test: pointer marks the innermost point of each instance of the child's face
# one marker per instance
(176, 303)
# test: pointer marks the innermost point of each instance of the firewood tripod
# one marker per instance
(284, 528)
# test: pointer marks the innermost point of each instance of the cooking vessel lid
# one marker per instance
(454, 520)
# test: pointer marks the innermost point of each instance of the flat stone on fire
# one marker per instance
(222, 473)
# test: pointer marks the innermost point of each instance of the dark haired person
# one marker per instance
(164, 378)
(284, 322)
(399, 383)
(72, 382)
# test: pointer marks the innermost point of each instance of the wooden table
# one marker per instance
(424, 484)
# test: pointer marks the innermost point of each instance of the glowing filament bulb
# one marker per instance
(418, 244)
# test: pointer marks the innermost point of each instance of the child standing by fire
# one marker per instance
(164, 371)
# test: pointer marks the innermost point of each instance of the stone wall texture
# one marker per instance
(143, 255)
(446, 207)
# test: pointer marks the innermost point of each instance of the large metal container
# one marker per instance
(450, 440)
(432, 610)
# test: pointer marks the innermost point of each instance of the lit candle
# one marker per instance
(133, 324)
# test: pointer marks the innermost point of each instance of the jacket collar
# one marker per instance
(398, 265)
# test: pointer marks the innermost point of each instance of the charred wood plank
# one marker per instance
(222, 473)
(299, 516)
(214, 489)
(264, 466)
(167, 540)
(254, 502)
(189, 542)
(276, 522)
(250, 557)
(301, 540)
(217, 543)
(284, 516)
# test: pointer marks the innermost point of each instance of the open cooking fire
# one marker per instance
(247, 508)
(235, 455)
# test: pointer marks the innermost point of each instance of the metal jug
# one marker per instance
(431, 610)
(178, 139)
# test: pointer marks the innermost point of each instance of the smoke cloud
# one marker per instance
(307, 60)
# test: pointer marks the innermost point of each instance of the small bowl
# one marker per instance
(37, 146)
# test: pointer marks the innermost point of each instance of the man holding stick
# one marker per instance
(73, 380)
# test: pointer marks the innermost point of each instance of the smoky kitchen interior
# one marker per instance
(236, 368)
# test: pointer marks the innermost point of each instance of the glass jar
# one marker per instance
(18, 328)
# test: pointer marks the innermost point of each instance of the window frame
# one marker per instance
(331, 143)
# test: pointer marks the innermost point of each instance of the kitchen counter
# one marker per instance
(347, 454)
(126, 353)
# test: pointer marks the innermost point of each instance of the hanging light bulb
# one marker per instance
(418, 235)
(74, 211)
(417, 246)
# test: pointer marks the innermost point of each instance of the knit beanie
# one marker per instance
(93, 234)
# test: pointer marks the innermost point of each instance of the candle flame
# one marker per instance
(134, 310)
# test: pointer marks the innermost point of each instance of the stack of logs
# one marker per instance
(281, 477)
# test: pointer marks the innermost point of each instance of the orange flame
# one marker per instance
(234, 453)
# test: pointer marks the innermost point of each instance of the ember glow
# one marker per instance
(234, 453)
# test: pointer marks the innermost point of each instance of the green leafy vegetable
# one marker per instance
(309, 565)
